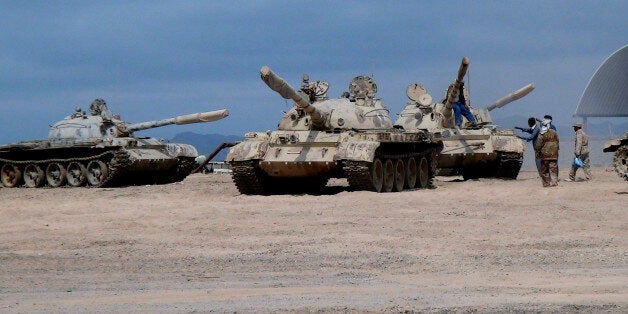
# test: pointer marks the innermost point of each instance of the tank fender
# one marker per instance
(357, 150)
(508, 144)
(613, 145)
(247, 150)
(181, 150)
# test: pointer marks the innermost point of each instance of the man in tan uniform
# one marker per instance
(582, 151)
(546, 150)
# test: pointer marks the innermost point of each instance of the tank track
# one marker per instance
(116, 160)
(620, 162)
(358, 173)
(117, 168)
(506, 166)
(251, 180)
(509, 165)
(184, 167)
(118, 163)
(248, 178)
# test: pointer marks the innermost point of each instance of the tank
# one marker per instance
(620, 159)
(320, 138)
(100, 150)
(481, 150)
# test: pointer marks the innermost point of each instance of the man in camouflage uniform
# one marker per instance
(581, 151)
(546, 150)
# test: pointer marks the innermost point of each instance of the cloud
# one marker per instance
(160, 58)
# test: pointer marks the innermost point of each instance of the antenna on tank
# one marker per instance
(372, 69)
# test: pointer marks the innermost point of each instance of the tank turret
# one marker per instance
(80, 126)
(313, 110)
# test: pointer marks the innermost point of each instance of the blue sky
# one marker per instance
(156, 59)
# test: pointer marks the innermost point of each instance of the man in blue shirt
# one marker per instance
(533, 129)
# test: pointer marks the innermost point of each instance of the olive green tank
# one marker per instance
(320, 138)
(480, 150)
(620, 158)
(100, 150)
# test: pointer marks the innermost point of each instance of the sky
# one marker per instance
(156, 59)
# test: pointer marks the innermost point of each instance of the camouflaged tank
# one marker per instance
(483, 150)
(620, 159)
(320, 138)
(100, 150)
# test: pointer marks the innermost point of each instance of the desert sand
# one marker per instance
(483, 245)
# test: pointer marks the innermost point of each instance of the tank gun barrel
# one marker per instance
(454, 89)
(198, 117)
(286, 91)
(511, 97)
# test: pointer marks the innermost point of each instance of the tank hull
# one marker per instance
(483, 152)
(302, 161)
(96, 162)
(620, 157)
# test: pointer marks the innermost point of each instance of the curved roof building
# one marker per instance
(606, 95)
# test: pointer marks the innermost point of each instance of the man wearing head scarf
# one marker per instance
(551, 126)
(546, 150)
(581, 151)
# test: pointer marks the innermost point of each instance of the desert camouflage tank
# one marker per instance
(620, 159)
(321, 138)
(99, 150)
(476, 151)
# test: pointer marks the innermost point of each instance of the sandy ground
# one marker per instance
(485, 245)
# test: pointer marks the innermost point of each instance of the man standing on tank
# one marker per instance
(461, 108)
(581, 151)
(546, 149)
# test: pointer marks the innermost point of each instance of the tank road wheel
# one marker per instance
(389, 176)
(400, 176)
(77, 174)
(97, 173)
(34, 176)
(10, 175)
(424, 173)
(411, 173)
(55, 174)
(620, 162)
(377, 175)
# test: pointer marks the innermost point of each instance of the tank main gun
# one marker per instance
(454, 88)
(482, 115)
(286, 91)
(199, 117)
(511, 97)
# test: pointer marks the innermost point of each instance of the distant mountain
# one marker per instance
(206, 143)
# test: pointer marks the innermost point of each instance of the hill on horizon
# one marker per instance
(206, 143)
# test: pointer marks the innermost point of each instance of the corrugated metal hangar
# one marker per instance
(606, 94)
